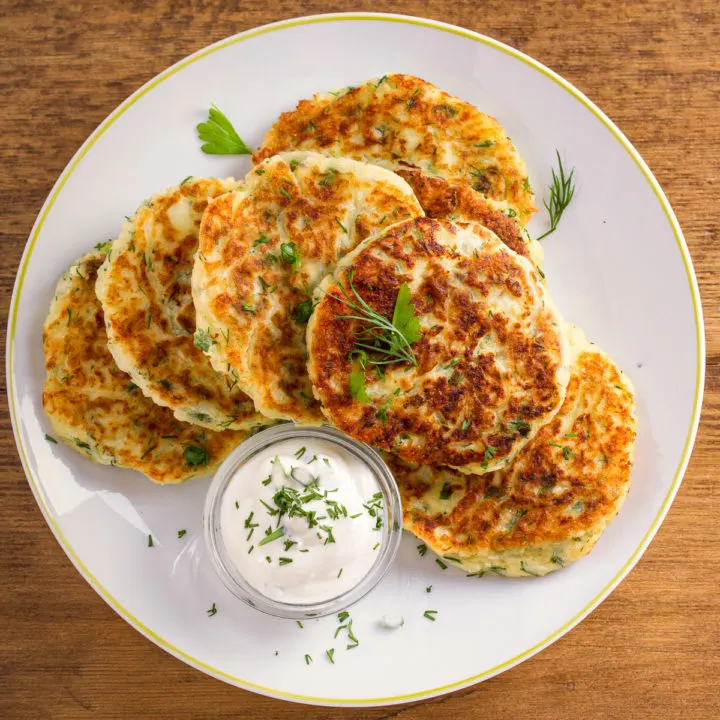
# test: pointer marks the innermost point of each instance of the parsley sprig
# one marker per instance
(389, 341)
(562, 190)
(219, 136)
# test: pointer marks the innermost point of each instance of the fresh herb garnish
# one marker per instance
(202, 339)
(446, 491)
(562, 190)
(520, 426)
(390, 341)
(196, 456)
(290, 254)
(490, 452)
(342, 227)
(51, 439)
(299, 453)
(212, 611)
(330, 654)
(356, 385)
(422, 549)
(566, 451)
(430, 615)
(261, 240)
(274, 535)
(308, 659)
(181, 533)
(219, 136)
(150, 541)
(428, 589)
(328, 177)
(303, 311)
(442, 565)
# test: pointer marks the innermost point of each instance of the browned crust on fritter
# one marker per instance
(550, 494)
(371, 122)
(317, 210)
(96, 408)
(458, 401)
(146, 296)
(441, 199)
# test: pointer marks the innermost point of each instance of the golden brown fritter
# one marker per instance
(491, 363)
(144, 288)
(550, 507)
(97, 409)
(399, 121)
(264, 249)
(441, 199)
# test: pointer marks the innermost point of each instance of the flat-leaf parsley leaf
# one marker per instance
(219, 136)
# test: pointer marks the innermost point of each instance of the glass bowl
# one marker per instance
(227, 570)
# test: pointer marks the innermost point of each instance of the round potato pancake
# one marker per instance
(489, 354)
(398, 121)
(144, 288)
(441, 199)
(551, 505)
(96, 408)
(265, 248)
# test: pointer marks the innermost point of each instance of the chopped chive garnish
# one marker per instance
(300, 625)
(330, 654)
(284, 561)
(422, 549)
(428, 589)
(300, 453)
(181, 533)
(51, 439)
(272, 536)
(339, 573)
(212, 611)
(441, 563)
(308, 659)
(343, 616)
(430, 614)
(150, 541)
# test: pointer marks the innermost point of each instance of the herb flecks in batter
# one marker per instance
(219, 136)
(196, 456)
(290, 254)
(203, 340)
(562, 190)
(303, 311)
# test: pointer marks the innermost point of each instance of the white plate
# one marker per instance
(618, 266)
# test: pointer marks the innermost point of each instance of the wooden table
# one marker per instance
(653, 648)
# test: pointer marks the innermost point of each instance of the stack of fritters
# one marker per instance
(372, 271)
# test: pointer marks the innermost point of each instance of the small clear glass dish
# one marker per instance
(229, 573)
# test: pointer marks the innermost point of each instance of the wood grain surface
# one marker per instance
(653, 648)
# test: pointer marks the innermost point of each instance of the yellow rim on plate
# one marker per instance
(349, 17)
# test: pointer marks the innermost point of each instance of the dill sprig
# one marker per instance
(562, 190)
(390, 339)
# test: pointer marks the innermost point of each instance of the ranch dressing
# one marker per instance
(302, 520)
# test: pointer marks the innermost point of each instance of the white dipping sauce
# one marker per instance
(302, 520)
